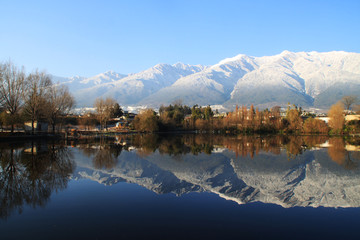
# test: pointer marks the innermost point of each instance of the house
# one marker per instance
(325, 119)
(349, 118)
(39, 126)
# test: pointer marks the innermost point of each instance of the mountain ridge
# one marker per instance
(296, 77)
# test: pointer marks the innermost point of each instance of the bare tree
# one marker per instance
(104, 109)
(39, 86)
(59, 103)
(1, 83)
(12, 90)
(348, 101)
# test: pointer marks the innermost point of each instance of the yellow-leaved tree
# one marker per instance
(337, 118)
(146, 121)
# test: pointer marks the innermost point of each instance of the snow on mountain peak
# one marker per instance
(180, 65)
(110, 72)
(109, 76)
(233, 59)
(286, 52)
(160, 65)
(77, 78)
(296, 77)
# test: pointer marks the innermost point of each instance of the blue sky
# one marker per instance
(85, 38)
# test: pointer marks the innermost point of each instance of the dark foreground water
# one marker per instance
(181, 187)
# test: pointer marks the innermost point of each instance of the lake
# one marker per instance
(181, 187)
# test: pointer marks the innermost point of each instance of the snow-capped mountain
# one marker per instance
(76, 83)
(299, 78)
(102, 78)
(132, 88)
(71, 82)
(303, 78)
(210, 86)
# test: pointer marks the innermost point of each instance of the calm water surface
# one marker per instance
(181, 187)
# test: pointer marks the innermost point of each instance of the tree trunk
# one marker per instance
(32, 127)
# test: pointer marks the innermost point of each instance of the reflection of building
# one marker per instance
(352, 148)
(347, 147)
(38, 126)
(36, 149)
(32, 150)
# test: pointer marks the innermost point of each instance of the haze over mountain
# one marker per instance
(303, 78)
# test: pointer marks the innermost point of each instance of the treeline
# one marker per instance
(243, 120)
(172, 118)
(31, 97)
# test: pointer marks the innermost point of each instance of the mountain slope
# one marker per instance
(78, 83)
(303, 78)
(132, 88)
(210, 86)
(266, 81)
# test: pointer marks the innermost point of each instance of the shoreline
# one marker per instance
(20, 136)
(24, 136)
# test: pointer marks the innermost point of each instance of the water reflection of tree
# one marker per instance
(312, 141)
(296, 145)
(200, 143)
(12, 180)
(338, 153)
(242, 145)
(145, 143)
(106, 156)
(104, 151)
(29, 177)
(172, 145)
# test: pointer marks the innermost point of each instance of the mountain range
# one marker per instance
(303, 78)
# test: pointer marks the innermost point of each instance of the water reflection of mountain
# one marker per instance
(284, 171)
